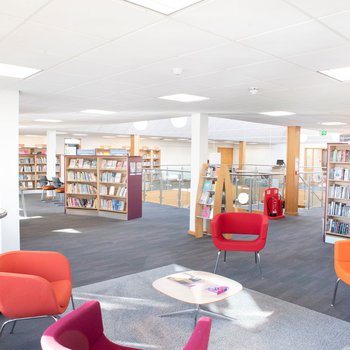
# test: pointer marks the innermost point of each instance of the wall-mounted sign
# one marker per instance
(323, 132)
(344, 138)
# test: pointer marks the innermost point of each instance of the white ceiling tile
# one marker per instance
(104, 18)
(318, 8)
(53, 41)
(21, 8)
(161, 41)
(8, 24)
(296, 40)
(237, 19)
(326, 59)
(339, 23)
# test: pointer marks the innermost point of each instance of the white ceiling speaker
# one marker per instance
(177, 70)
(179, 122)
(243, 198)
(142, 125)
(303, 138)
(253, 90)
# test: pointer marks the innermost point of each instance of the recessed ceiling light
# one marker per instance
(48, 120)
(31, 135)
(108, 137)
(184, 98)
(179, 122)
(168, 140)
(341, 74)
(155, 137)
(97, 111)
(80, 134)
(61, 133)
(277, 113)
(142, 125)
(333, 123)
(122, 135)
(166, 7)
(20, 72)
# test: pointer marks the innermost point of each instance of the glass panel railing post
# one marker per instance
(250, 195)
(161, 189)
(309, 192)
(322, 191)
(179, 192)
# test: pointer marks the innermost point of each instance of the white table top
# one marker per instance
(197, 291)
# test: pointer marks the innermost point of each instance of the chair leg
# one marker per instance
(257, 257)
(71, 298)
(13, 327)
(225, 255)
(217, 261)
(335, 291)
(42, 195)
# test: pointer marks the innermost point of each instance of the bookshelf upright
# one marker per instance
(337, 208)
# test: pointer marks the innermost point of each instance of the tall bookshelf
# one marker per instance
(32, 165)
(104, 185)
(151, 159)
(337, 208)
(214, 181)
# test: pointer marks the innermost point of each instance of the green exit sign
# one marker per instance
(323, 132)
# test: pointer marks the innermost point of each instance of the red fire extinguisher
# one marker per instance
(273, 204)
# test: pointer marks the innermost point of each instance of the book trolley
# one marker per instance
(337, 208)
(214, 181)
(108, 186)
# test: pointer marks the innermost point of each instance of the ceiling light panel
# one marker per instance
(166, 7)
(19, 72)
(97, 111)
(48, 120)
(277, 113)
(80, 134)
(341, 74)
(333, 123)
(184, 98)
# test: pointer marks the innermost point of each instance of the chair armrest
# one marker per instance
(342, 251)
(26, 296)
(264, 227)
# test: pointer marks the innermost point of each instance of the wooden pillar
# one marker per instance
(242, 153)
(134, 145)
(292, 171)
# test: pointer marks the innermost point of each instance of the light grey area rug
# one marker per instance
(130, 307)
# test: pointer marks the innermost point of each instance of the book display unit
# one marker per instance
(214, 181)
(151, 160)
(104, 185)
(337, 208)
(32, 165)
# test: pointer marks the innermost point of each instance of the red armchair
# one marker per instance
(243, 224)
(33, 284)
(82, 329)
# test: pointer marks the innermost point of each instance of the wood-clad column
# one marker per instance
(292, 172)
(134, 145)
(242, 153)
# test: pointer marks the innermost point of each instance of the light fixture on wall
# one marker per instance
(179, 122)
(142, 125)
(303, 138)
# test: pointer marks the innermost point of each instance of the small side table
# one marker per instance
(197, 293)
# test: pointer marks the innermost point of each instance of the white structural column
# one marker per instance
(199, 155)
(9, 226)
(51, 154)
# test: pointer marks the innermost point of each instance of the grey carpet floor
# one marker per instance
(297, 265)
(130, 307)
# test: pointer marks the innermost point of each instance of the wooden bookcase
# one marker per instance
(32, 165)
(151, 159)
(104, 185)
(337, 208)
(214, 181)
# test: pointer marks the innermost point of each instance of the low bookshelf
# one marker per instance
(104, 185)
(337, 208)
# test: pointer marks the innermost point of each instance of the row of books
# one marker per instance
(26, 184)
(211, 171)
(41, 160)
(26, 160)
(81, 188)
(337, 227)
(113, 177)
(339, 155)
(112, 204)
(337, 191)
(82, 163)
(40, 168)
(81, 202)
(207, 212)
(209, 185)
(207, 198)
(339, 174)
(81, 176)
(119, 191)
(339, 209)
(114, 164)
(26, 177)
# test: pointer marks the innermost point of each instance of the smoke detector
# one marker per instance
(177, 70)
(253, 90)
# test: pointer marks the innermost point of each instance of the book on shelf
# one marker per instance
(205, 211)
(211, 171)
(111, 191)
(336, 226)
(81, 202)
(340, 155)
(207, 185)
(204, 197)
(112, 204)
(77, 188)
(338, 173)
(339, 209)
(338, 191)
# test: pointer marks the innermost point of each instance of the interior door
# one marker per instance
(226, 155)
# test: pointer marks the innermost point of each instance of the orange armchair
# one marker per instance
(341, 264)
(34, 284)
(243, 224)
